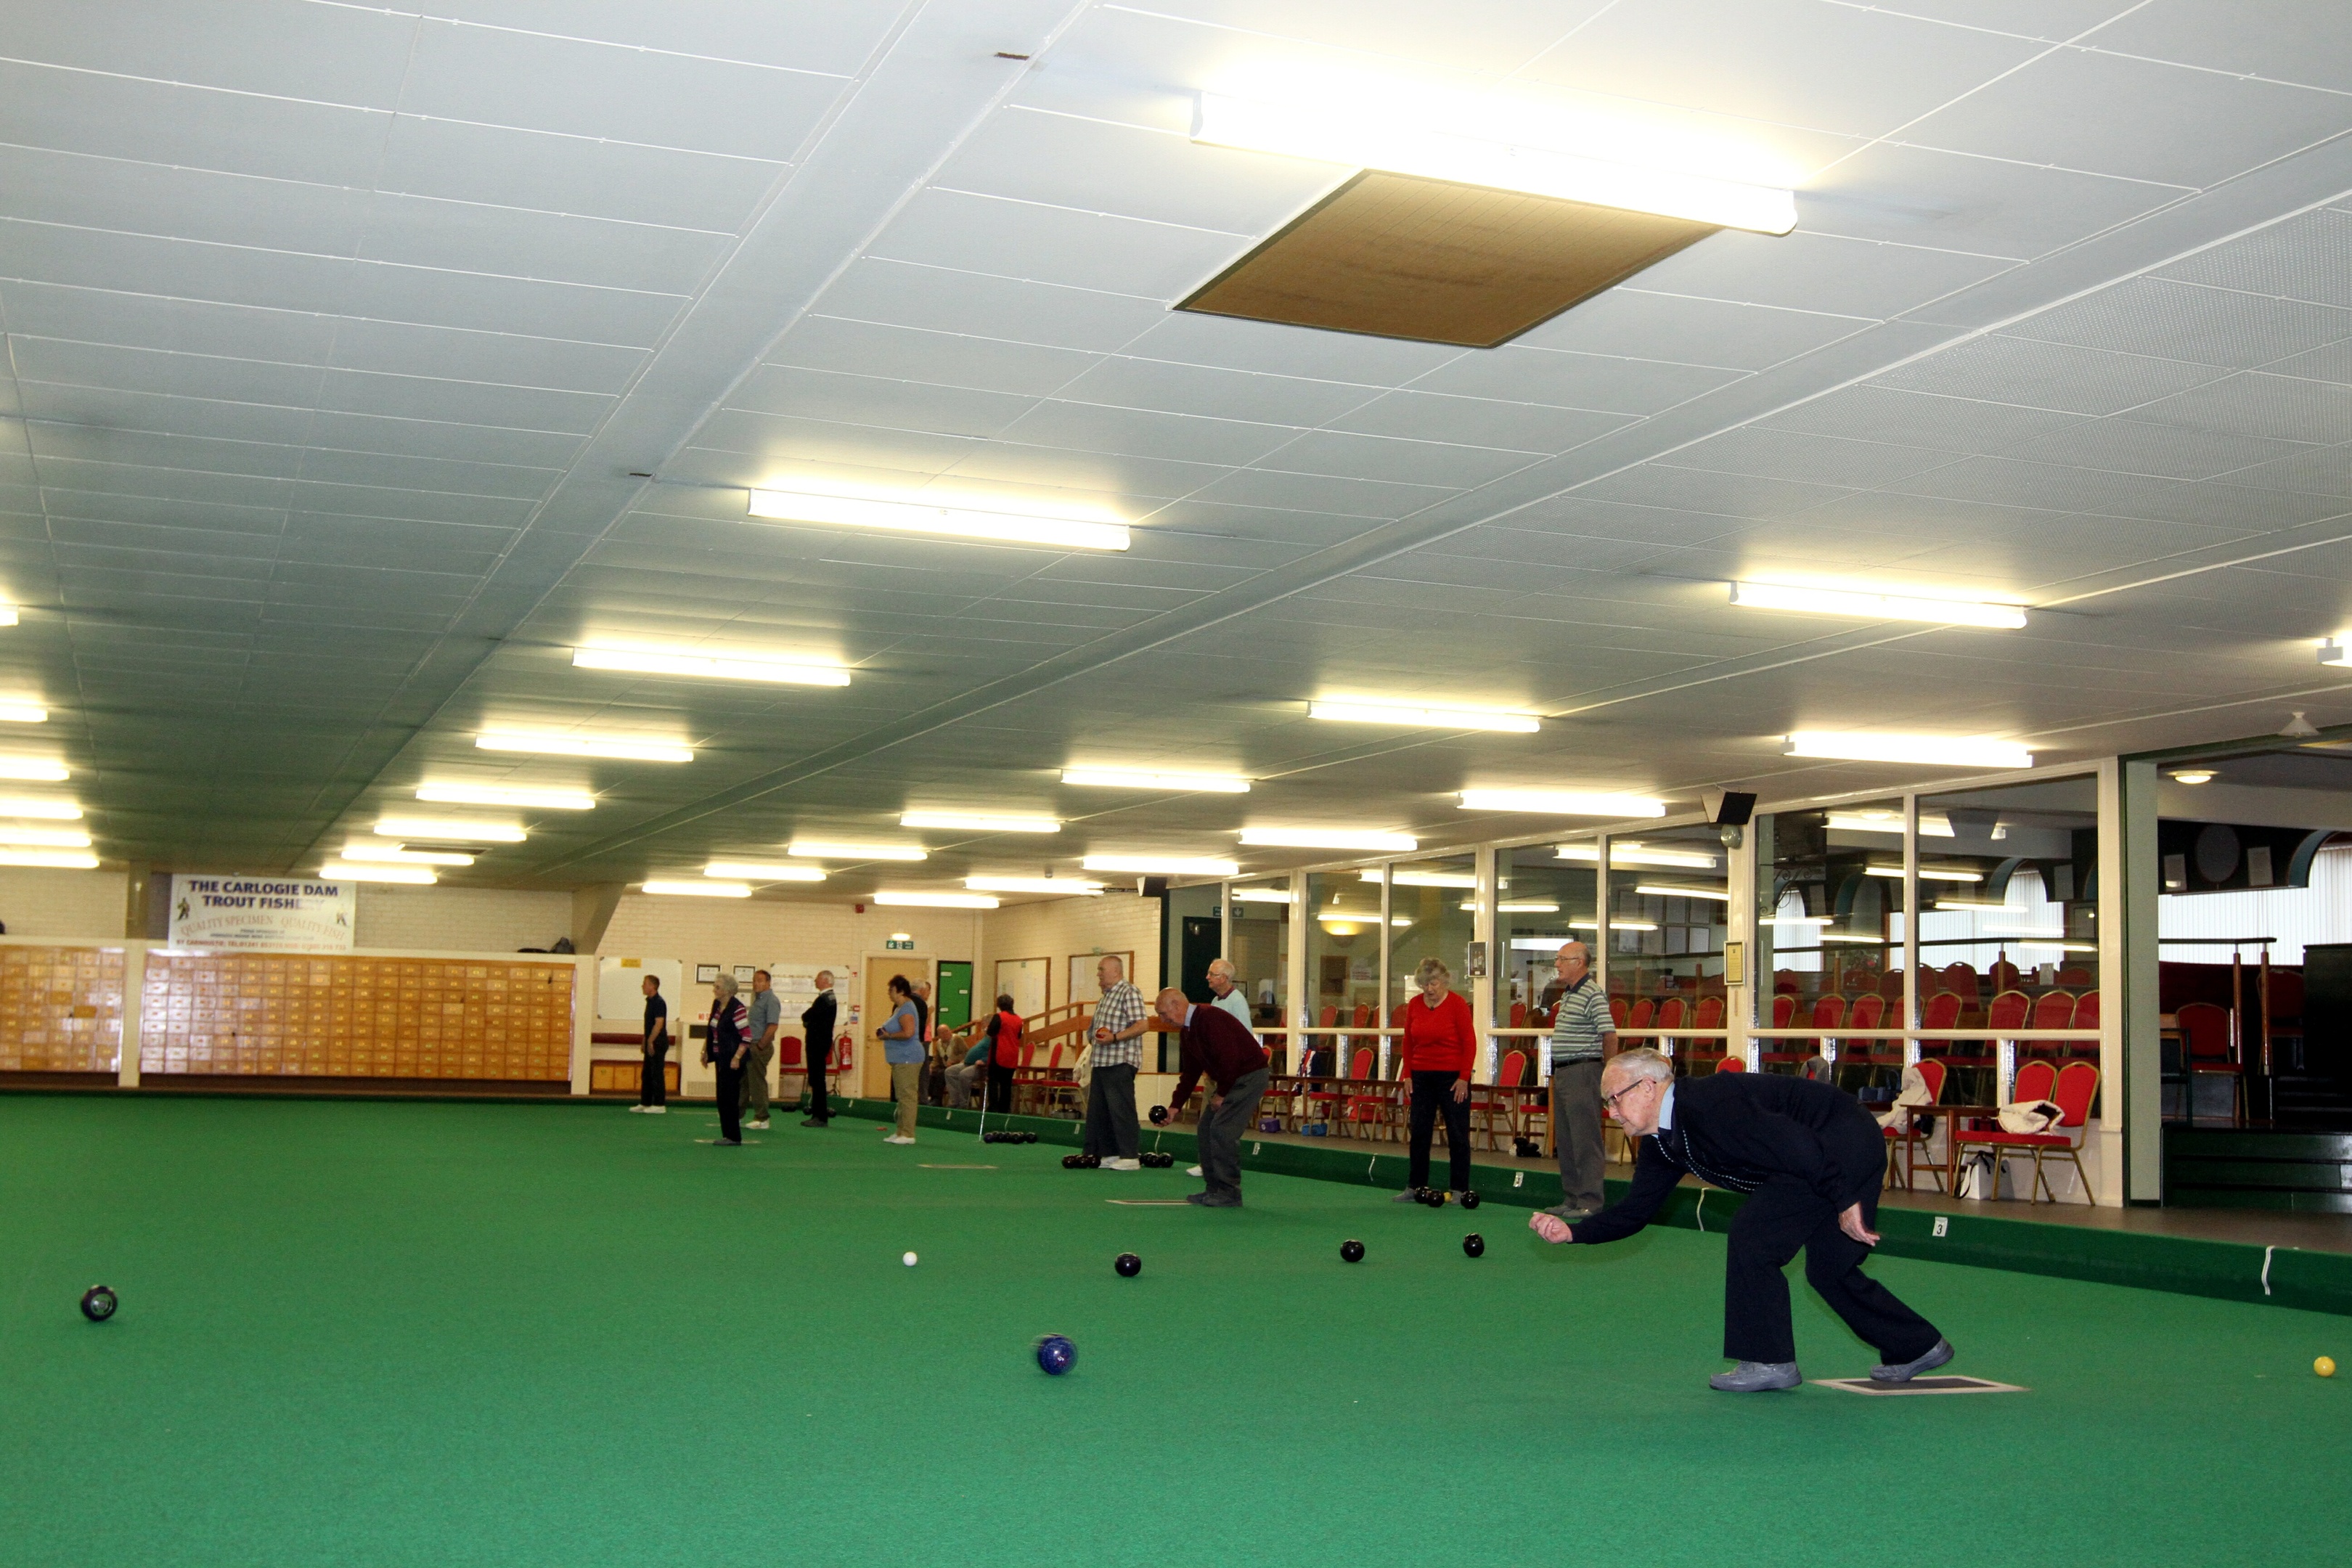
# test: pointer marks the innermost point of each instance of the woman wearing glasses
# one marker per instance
(1440, 1046)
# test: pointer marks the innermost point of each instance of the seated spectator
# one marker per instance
(973, 1066)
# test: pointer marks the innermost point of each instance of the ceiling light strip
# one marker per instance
(1425, 718)
(1878, 607)
(709, 666)
(1932, 751)
(954, 522)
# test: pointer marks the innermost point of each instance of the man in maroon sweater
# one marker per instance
(1214, 1042)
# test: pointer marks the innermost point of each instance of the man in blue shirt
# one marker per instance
(767, 1017)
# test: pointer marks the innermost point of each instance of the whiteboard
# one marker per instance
(620, 988)
(795, 982)
(1022, 979)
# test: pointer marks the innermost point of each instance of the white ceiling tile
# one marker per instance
(1638, 324)
(1095, 428)
(76, 190)
(1508, 34)
(873, 400)
(146, 321)
(947, 359)
(943, 227)
(426, 506)
(1876, 412)
(149, 265)
(429, 474)
(1232, 343)
(507, 359)
(104, 444)
(814, 35)
(463, 402)
(1597, 383)
(1724, 495)
(1089, 471)
(2181, 321)
(2084, 491)
(777, 444)
(2317, 470)
(466, 236)
(1127, 381)
(59, 472)
(2166, 451)
(2257, 404)
(2304, 257)
(434, 438)
(1312, 494)
(1842, 68)
(111, 409)
(1349, 455)
(503, 166)
(897, 294)
(1093, 166)
(1918, 196)
(330, 54)
(621, 94)
(1478, 422)
(1784, 454)
(2137, 118)
(1804, 271)
(173, 374)
(437, 298)
(121, 118)
(2281, 39)
(2048, 375)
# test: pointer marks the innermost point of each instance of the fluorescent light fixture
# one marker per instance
(611, 750)
(1614, 924)
(1869, 607)
(2330, 651)
(42, 810)
(44, 837)
(1936, 750)
(7, 614)
(1426, 878)
(446, 830)
(493, 795)
(979, 821)
(2058, 946)
(1424, 718)
(705, 889)
(1162, 865)
(1326, 838)
(399, 854)
(1358, 918)
(33, 770)
(1856, 937)
(1261, 896)
(955, 523)
(1926, 873)
(709, 666)
(2049, 932)
(60, 860)
(1375, 132)
(939, 900)
(1131, 778)
(350, 871)
(1665, 891)
(1630, 853)
(1562, 803)
(2191, 775)
(1078, 885)
(1932, 825)
(764, 871)
(22, 713)
(1515, 907)
(1798, 921)
(830, 849)
(1980, 904)
(901, 936)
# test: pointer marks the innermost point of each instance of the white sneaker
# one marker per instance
(1122, 1164)
(759, 1126)
(1192, 1170)
(655, 1109)
(894, 1138)
(636, 1108)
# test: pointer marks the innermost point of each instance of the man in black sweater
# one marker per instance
(816, 1030)
(1810, 1159)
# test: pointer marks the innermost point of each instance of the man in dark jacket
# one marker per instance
(1810, 1159)
(817, 1029)
(1219, 1045)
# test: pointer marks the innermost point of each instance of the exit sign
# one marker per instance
(909, 945)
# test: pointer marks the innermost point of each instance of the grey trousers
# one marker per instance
(1576, 1131)
(1110, 1113)
(960, 1079)
(1219, 1136)
(755, 1081)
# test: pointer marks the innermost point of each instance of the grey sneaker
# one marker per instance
(1756, 1377)
(1562, 1211)
(1409, 1195)
(1905, 1371)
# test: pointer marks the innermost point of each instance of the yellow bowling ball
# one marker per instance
(2325, 1367)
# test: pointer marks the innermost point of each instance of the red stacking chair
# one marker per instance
(2052, 1010)
(1518, 1015)
(2071, 1088)
(2206, 1028)
(1784, 1008)
(2087, 1017)
(2008, 1011)
(1906, 1140)
(2075, 977)
(1961, 980)
(2004, 975)
(1638, 1019)
(1870, 1013)
(1670, 1016)
(1500, 1098)
(1619, 1011)
(1731, 1064)
(1829, 1012)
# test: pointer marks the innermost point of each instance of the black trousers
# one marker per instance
(730, 1101)
(999, 1089)
(819, 1053)
(653, 1087)
(1434, 1092)
(1778, 1217)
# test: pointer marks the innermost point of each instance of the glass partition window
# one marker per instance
(1669, 912)
(1431, 912)
(1830, 934)
(1260, 956)
(1343, 973)
(2009, 931)
(1543, 899)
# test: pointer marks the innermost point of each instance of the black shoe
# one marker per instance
(728, 1143)
(1214, 1200)
(816, 1120)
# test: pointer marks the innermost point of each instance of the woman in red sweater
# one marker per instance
(1440, 1045)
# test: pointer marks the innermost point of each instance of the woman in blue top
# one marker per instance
(902, 1047)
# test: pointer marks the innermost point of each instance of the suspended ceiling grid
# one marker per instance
(334, 334)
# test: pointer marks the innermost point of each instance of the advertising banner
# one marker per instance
(298, 912)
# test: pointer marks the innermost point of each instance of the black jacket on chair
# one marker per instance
(1740, 1131)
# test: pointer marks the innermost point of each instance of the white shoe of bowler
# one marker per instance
(1122, 1164)
(1192, 1170)
(894, 1138)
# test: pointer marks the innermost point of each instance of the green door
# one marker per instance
(954, 994)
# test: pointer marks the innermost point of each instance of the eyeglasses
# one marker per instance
(1608, 1101)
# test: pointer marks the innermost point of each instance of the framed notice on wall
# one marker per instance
(704, 974)
(264, 911)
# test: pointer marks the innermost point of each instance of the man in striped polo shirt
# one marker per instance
(1583, 1037)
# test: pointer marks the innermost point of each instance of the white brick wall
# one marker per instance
(1056, 928)
(88, 905)
(460, 919)
(728, 932)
